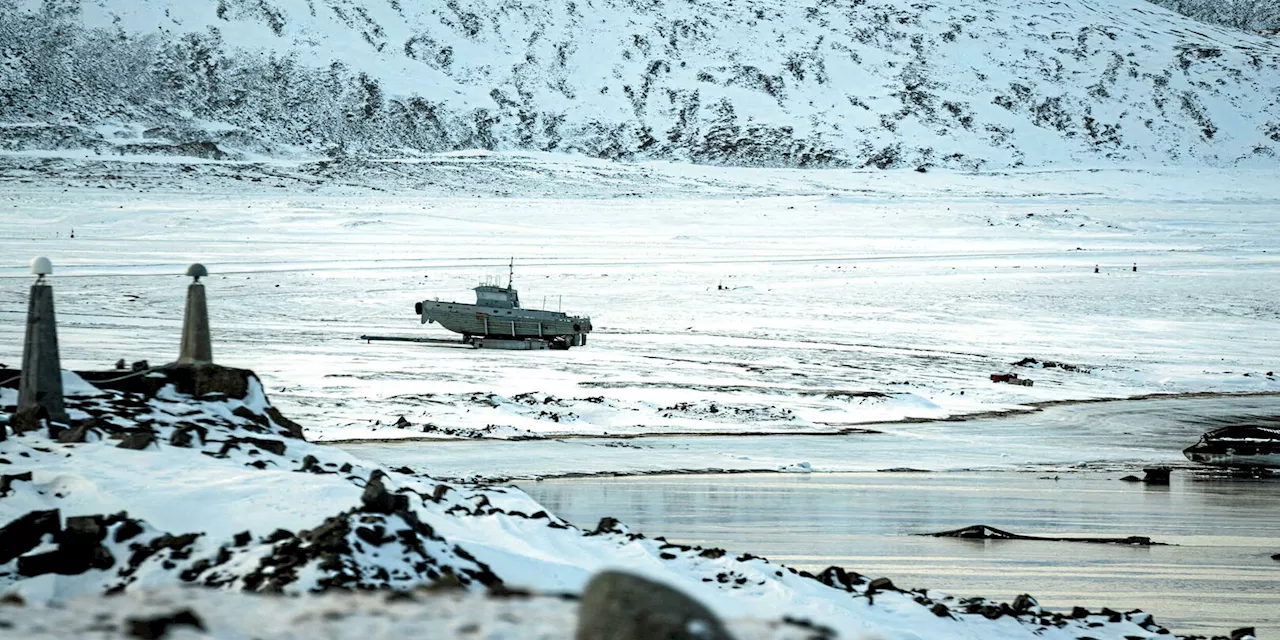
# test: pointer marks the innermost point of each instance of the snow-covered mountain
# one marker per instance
(883, 83)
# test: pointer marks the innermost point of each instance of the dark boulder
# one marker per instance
(179, 547)
(182, 437)
(402, 423)
(127, 530)
(29, 419)
(274, 446)
(376, 535)
(880, 584)
(833, 577)
(377, 499)
(291, 428)
(252, 416)
(940, 610)
(158, 626)
(1243, 632)
(1079, 612)
(311, 464)
(137, 440)
(621, 606)
(84, 530)
(607, 524)
(6, 481)
(1024, 602)
(24, 533)
(76, 433)
(67, 560)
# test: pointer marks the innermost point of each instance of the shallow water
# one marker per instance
(1215, 575)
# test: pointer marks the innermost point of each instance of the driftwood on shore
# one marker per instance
(984, 532)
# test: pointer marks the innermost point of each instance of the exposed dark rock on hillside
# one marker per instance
(960, 83)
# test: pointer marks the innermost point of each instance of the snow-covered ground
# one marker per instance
(230, 615)
(808, 302)
(240, 503)
(825, 300)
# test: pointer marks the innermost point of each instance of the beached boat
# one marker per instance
(497, 320)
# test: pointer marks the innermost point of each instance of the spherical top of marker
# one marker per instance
(41, 266)
(197, 271)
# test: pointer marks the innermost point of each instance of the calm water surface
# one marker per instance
(1216, 574)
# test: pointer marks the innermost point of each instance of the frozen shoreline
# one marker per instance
(1109, 436)
(850, 297)
(861, 428)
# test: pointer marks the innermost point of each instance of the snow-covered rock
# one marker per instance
(883, 83)
(225, 494)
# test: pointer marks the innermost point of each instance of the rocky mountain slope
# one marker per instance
(880, 83)
(1251, 15)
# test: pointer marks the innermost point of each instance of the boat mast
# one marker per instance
(511, 273)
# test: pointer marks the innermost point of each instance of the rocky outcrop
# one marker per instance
(368, 528)
(24, 533)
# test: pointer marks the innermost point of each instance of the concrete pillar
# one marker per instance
(40, 384)
(197, 345)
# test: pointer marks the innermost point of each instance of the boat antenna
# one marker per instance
(511, 273)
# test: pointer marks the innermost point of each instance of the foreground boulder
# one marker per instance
(622, 606)
(25, 533)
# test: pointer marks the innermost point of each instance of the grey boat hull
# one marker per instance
(474, 321)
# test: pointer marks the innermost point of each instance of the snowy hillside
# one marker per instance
(882, 83)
